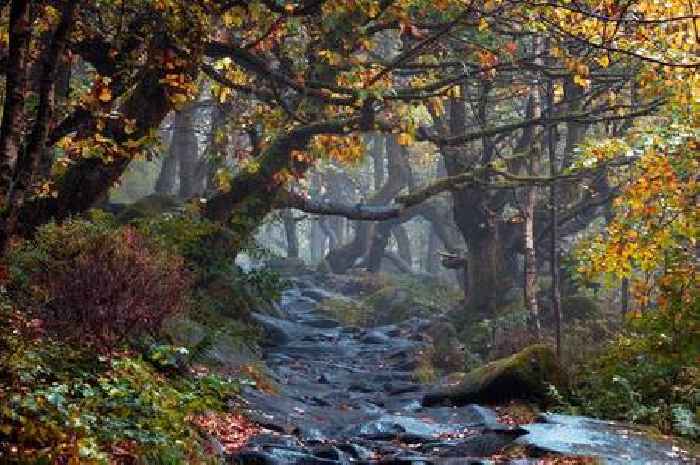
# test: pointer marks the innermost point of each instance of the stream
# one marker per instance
(348, 395)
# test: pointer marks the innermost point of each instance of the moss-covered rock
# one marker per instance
(525, 375)
(347, 311)
(391, 304)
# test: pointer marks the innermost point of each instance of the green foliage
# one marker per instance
(210, 250)
(57, 243)
(64, 401)
(201, 242)
(643, 378)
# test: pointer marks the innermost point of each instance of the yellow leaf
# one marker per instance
(604, 61)
(558, 92)
(105, 95)
(483, 24)
(405, 139)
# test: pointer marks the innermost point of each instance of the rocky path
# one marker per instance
(347, 395)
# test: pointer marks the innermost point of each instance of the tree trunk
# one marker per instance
(403, 243)
(529, 204)
(316, 242)
(378, 151)
(345, 257)
(432, 262)
(185, 142)
(486, 275)
(88, 181)
(624, 296)
(167, 178)
(554, 213)
(290, 231)
(13, 125)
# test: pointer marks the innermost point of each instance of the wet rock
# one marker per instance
(612, 442)
(360, 387)
(355, 451)
(274, 440)
(406, 460)
(375, 337)
(330, 453)
(401, 388)
(465, 416)
(253, 457)
(525, 375)
(322, 323)
(317, 294)
(394, 425)
(278, 456)
(480, 445)
(277, 331)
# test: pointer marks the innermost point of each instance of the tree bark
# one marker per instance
(88, 181)
(432, 261)
(554, 213)
(290, 231)
(529, 204)
(254, 192)
(185, 142)
(487, 277)
(403, 243)
(345, 257)
(13, 125)
(167, 178)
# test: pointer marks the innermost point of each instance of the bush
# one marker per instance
(97, 283)
(207, 247)
(643, 377)
(62, 404)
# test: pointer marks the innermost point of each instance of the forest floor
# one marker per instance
(344, 394)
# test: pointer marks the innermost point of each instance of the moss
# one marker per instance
(525, 375)
(425, 372)
(390, 305)
(347, 311)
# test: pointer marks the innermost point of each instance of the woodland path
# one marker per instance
(348, 395)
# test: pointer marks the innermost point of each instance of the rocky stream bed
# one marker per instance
(348, 395)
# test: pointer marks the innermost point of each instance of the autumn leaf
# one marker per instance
(105, 95)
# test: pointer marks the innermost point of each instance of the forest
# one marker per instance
(289, 232)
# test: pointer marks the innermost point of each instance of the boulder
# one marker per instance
(278, 332)
(607, 442)
(481, 445)
(375, 337)
(525, 375)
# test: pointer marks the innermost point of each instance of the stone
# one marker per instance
(277, 331)
(525, 375)
(375, 337)
(609, 442)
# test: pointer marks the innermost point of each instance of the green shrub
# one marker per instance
(60, 401)
(206, 246)
(642, 378)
